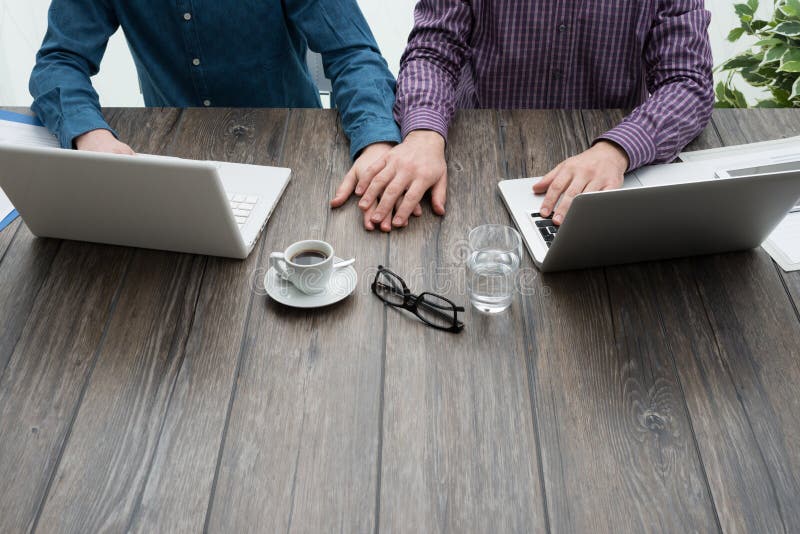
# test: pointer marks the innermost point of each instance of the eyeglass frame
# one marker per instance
(411, 302)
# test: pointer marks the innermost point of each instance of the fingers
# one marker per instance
(365, 178)
(391, 195)
(345, 189)
(367, 215)
(557, 186)
(575, 188)
(376, 187)
(439, 195)
(408, 204)
(417, 210)
(542, 185)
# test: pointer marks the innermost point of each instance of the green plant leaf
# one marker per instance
(795, 89)
(790, 66)
(753, 5)
(774, 54)
(735, 34)
(789, 29)
(772, 41)
(791, 8)
(743, 60)
(757, 25)
(756, 77)
(768, 104)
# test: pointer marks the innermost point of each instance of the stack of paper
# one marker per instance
(784, 242)
(20, 130)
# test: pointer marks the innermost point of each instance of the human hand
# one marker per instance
(102, 141)
(397, 182)
(599, 168)
(368, 156)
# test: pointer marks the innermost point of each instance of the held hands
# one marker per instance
(102, 141)
(599, 168)
(392, 182)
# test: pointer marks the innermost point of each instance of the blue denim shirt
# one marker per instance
(194, 53)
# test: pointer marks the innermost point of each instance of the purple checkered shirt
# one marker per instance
(649, 55)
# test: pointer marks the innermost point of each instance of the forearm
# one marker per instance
(431, 66)
(60, 83)
(679, 77)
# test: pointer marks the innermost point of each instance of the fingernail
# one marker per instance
(363, 204)
(558, 218)
(543, 212)
(397, 221)
(359, 190)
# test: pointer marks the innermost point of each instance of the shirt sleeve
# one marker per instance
(678, 63)
(363, 86)
(431, 65)
(75, 42)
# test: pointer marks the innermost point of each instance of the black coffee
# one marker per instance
(309, 257)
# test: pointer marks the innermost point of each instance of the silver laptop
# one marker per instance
(158, 202)
(667, 211)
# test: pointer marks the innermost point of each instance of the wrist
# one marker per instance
(615, 153)
(428, 137)
(93, 136)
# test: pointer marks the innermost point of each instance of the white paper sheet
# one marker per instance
(17, 133)
(5, 207)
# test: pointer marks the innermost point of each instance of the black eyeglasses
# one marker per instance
(433, 310)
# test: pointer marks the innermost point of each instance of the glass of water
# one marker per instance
(494, 257)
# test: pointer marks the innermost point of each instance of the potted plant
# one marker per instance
(772, 62)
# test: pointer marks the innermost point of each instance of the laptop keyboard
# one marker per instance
(242, 206)
(547, 229)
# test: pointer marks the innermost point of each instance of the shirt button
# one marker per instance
(196, 62)
(187, 16)
(562, 27)
(207, 103)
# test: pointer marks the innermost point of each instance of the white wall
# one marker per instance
(23, 23)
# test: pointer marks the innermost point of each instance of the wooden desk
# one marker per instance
(155, 391)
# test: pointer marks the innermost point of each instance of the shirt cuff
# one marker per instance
(635, 141)
(80, 122)
(424, 119)
(375, 131)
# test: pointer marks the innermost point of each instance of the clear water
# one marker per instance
(491, 280)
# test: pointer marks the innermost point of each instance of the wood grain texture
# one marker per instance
(459, 446)
(737, 127)
(301, 450)
(24, 265)
(126, 398)
(589, 379)
(47, 374)
(739, 480)
(177, 492)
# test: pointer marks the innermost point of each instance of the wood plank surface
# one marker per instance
(47, 374)
(153, 391)
(176, 494)
(739, 480)
(301, 450)
(459, 449)
(610, 414)
(763, 125)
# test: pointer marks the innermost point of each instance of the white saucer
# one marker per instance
(343, 282)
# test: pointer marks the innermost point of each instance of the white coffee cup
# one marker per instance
(308, 265)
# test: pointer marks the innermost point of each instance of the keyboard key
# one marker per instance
(241, 213)
(241, 220)
(544, 232)
(549, 237)
(239, 198)
(553, 229)
(250, 200)
(548, 243)
(246, 206)
(543, 223)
